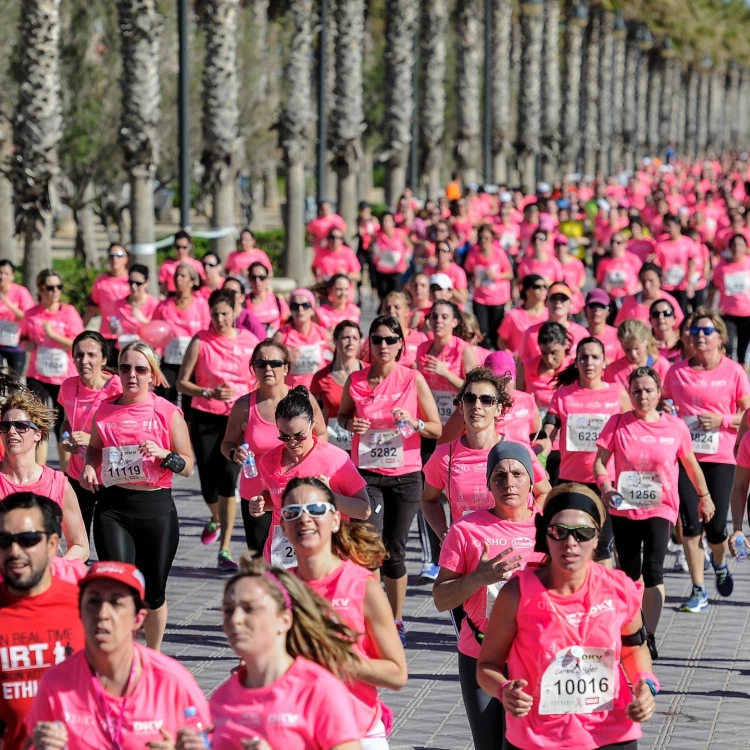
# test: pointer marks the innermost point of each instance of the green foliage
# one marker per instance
(378, 209)
(77, 280)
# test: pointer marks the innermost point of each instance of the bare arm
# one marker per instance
(738, 496)
(74, 529)
(187, 368)
(428, 410)
(356, 505)
(452, 429)
(501, 631)
(432, 510)
(234, 436)
(181, 443)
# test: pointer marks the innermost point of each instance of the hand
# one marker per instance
(114, 325)
(498, 568)
(223, 393)
(49, 331)
(89, 481)
(668, 408)
(326, 480)
(255, 743)
(710, 421)
(542, 445)
(490, 273)
(50, 735)
(149, 449)
(166, 743)
(733, 540)
(240, 455)
(435, 365)
(80, 438)
(706, 508)
(256, 505)
(643, 706)
(401, 415)
(514, 700)
(358, 425)
(609, 495)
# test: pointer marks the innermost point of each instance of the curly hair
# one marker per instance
(498, 382)
(40, 414)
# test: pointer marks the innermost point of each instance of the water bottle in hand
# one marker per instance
(740, 548)
(193, 722)
(405, 428)
(250, 469)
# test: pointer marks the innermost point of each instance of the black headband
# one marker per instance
(572, 501)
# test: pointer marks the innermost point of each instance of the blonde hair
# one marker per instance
(400, 296)
(143, 348)
(717, 322)
(39, 413)
(194, 277)
(317, 633)
(637, 330)
(471, 320)
(579, 489)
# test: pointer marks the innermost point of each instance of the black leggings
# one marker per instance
(387, 283)
(15, 360)
(719, 479)
(86, 502)
(256, 529)
(142, 528)
(485, 714)
(48, 393)
(489, 317)
(681, 298)
(170, 393)
(218, 475)
(738, 330)
(653, 533)
(395, 502)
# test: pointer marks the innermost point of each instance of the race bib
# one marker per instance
(309, 360)
(51, 363)
(507, 241)
(640, 490)
(122, 465)
(176, 349)
(617, 278)
(737, 284)
(9, 333)
(482, 278)
(282, 552)
(674, 275)
(389, 260)
(126, 338)
(579, 680)
(583, 431)
(381, 449)
(704, 441)
(338, 436)
(444, 401)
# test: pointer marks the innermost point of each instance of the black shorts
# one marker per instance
(719, 479)
(218, 475)
(653, 534)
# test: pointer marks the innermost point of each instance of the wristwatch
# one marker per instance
(420, 425)
(206, 393)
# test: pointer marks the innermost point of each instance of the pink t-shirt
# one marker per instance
(619, 371)
(733, 282)
(379, 450)
(646, 455)
(633, 306)
(530, 344)
(224, 360)
(312, 350)
(270, 312)
(592, 618)
(307, 708)
(716, 391)
(129, 425)
(518, 424)
(642, 248)
(320, 227)
(608, 337)
(515, 323)
(583, 412)
(549, 269)
(80, 404)
(673, 257)
(390, 254)
(456, 274)
(619, 275)
(49, 362)
(164, 690)
(185, 323)
(330, 262)
(261, 437)
(166, 272)
(239, 261)
(461, 551)
(19, 296)
(106, 292)
(442, 390)
(508, 235)
(129, 324)
(51, 484)
(494, 291)
(574, 275)
(330, 317)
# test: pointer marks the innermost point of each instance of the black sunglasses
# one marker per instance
(26, 539)
(560, 533)
(208, 264)
(125, 369)
(662, 313)
(22, 426)
(133, 282)
(274, 364)
(117, 255)
(337, 236)
(253, 277)
(297, 306)
(596, 306)
(53, 287)
(378, 340)
(484, 399)
(539, 287)
(182, 247)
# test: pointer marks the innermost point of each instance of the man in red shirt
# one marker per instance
(39, 621)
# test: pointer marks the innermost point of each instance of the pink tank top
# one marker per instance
(261, 436)
(311, 350)
(345, 588)
(379, 450)
(122, 425)
(442, 390)
(50, 484)
(185, 323)
(572, 628)
(224, 360)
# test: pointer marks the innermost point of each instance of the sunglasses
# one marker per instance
(297, 306)
(663, 314)
(596, 306)
(444, 250)
(139, 369)
(117, 255)
(297, 437)
(22, 427)
(314, 510)
(182, 247)
(210, 265)
(26, 539)
(540, 238)
(253, 277)
(618, 242)
(560, 533)
(561, 298)
(705, 330)
(539, 287)
(53, 287)
(274, 364)
(471, 398)
(378, 340)
(337, 236)
(133, 282)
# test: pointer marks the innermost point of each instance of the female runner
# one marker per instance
(396, 305)
(419, 294)
(639, 304)
(338, 307)
(252, 429)
(391, 251)
(134, 310)
(541, 632)
(336, 560)
(640, 349)
(531, 311)
(15, 300)
(271, 311)
(214, 374)
(667, 337)
(214, 279)
(138, 442)
(246, 255)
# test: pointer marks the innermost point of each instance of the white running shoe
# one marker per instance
(680, 563)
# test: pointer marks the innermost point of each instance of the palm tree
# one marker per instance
(744, 106)
(7, 220)
(400, 28)
(704, 97)
(630, 95)
(590, 96)
(577, 17)
(733, 105)
(432, 91)
(140, 29)
(37, 130)
(606, 27)
(655, 87)
(296, 119)
(716, 115)
(619, 35)
(220, 114)
(691, 116)
(529, 100)
(347, 115)
(551, 90)
(641, 134)
(502, 139)
(667, 113)
(466, 151)
(680, 108)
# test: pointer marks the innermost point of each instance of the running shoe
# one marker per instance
(651, 642)
(401, 631)
(724, 580)
(698, 600)
(680, 563)
(429, 573)
(226, 564)
(210, 532)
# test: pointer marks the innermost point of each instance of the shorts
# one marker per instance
(217, 474)
(653, 534)
(719, 479)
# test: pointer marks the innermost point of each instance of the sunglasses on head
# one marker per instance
(22, 426)
(314, 510)
(378, 340)
(560, 533)
(125, 369)
(297, 306)
(133, 282)
(209, 264)
(53, 287)
(662, 313)
(540, 238)
(485, 400)
(255, 277)
(705, 330)
(117, 255)
(274, 364)
(26, 539)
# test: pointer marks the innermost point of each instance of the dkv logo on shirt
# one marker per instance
(576, 618)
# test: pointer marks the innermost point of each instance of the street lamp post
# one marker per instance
(322, 86)
(184, 112)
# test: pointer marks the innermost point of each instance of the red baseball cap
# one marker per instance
(111, 570)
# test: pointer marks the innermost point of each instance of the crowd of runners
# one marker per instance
(555, 387)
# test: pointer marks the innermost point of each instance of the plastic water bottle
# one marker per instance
(405, 428)
(193, 722)
(740, 548)
(250, 469)
(114, 323)
(616, 499)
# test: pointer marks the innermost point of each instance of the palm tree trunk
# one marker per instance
(466, 151)
(655, 88)
(347, 116)
(744, 107)
(733, 107)
(692, 113)
(400, 28)
(37, 130)
(7, 222)
(365, 182)
(680, 107)
(550, 144)
(642, 78)
(502, 139)
(572, 67)
(516, 41)
(591, 94)
(704, 102)
(141, 28)
(667, 112)
(295, 126)
(529, 104)
(432, 91)
(630, 99)
(605, 90)
(220, 115)
(618, 96)
(85, 220)
(716, 116)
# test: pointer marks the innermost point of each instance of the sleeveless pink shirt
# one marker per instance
(50, 484)
(262, 437)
